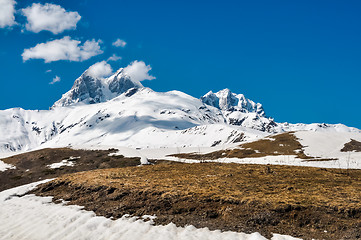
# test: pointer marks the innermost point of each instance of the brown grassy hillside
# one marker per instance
(299, 201)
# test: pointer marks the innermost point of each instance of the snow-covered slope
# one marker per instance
(328, 145)
(119, 111)
(138, 118)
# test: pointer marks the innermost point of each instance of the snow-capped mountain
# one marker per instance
(228, 101)
(137, 118)
(119, 111)
(88, 89)
(240, 111)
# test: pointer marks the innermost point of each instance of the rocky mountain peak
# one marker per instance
(240, 111)
(89, 89)
(227, 101)
(121, 82)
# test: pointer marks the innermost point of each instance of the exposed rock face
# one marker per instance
(89, 90)
(240, 111)
(120, 83)
(85, 89)
(226, 100)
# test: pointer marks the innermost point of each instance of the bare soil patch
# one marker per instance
(353, 145)
(310, 203)
(32, 166)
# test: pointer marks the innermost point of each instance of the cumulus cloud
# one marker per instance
(63, 49)
(119, 43)
(49, 17)
(55, 80)
(100, 70)
(114, 58)
(138, 71)
(7, 11)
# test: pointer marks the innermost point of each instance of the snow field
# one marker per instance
(31, 217)
(329, 145)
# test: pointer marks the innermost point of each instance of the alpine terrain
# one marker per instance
(118, 153)
(120, 111)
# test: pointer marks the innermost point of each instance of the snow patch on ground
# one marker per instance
(162, 153)
(65, 162)
(324, 148)
(5, 166)
(284, 237)
(289, 160)
(144, 160)
(32, 217)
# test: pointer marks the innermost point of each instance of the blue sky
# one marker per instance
(300, 59)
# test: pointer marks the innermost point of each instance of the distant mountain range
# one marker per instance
(119, 111)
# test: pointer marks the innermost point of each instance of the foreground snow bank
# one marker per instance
(32, 217)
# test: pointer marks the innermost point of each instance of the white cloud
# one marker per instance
(7, 11)
(48, 71)
(114, 58)
(138, 71)
(49, 17)
(119, 43)
(55, 79)
(63, 49)
(100, 70)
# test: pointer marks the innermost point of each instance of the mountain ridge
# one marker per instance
(90, 89)
(120, 111)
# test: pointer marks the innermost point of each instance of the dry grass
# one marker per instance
(33, 166)
(353, 145)
(268, 184)
(299, 201)
(281, 144)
